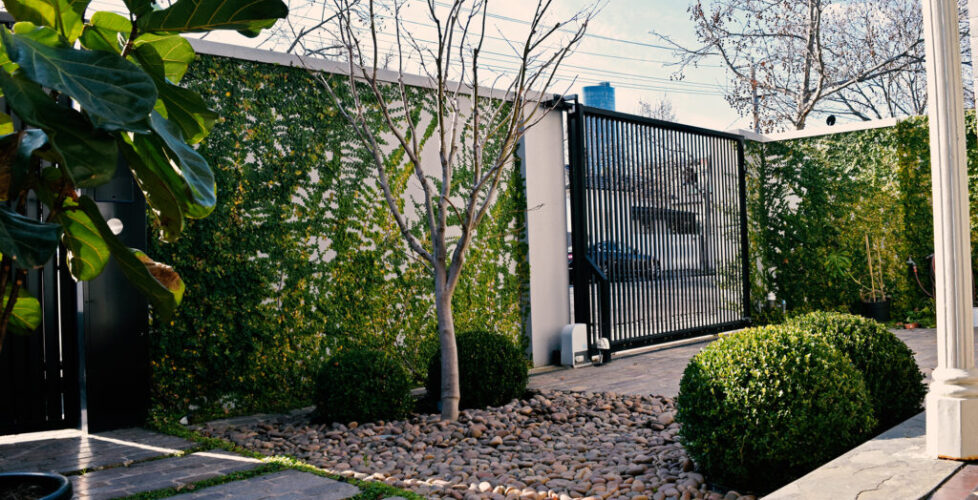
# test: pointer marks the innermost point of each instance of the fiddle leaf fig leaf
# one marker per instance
(42, 34)
(174, 50)
(115, 92)
(30, 243)
(26, 315)
(183, 107)
(162, 298)
(16, 150)
(163, 273)
(139, 7)
(189, 172)
(160, 191)
(246, 16)
(87, 251)
(107, 31)
(64, 16)
(89, 155)
(6, 124)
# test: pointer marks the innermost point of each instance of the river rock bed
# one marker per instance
(554, 445)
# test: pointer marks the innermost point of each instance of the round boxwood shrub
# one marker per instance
(362, 386)
(764, 406)
(492, 370)
(892, 377)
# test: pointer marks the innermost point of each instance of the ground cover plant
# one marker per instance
(763, 406)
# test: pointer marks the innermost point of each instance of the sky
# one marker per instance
(620, 49)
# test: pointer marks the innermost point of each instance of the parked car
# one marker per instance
(620, 262)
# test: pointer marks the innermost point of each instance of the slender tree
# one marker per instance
(788, 60)
(475, 120)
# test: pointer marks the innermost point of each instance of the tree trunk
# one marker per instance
(450, 393)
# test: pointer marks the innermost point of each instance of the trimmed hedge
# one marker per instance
(362, 386)
(492, 370)
(894, 381)
(766, 405)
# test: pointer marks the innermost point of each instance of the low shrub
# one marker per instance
(492, 370)
(764, 406)
(894, 381)
(362, 386)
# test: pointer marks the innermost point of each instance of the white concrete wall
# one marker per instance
(542, 154)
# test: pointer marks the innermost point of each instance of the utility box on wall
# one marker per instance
(115, 324)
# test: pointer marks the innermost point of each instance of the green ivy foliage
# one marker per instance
(301, 259)
(812, 201)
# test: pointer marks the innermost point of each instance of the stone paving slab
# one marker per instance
(159, 474)
(894, 465)
(91, 451)
(285, 485)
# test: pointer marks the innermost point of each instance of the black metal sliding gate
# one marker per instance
(659, 229)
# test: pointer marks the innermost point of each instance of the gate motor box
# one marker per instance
(573, 345)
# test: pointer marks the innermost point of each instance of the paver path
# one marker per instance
(77, 452)
(159, 474)
(659, 372)
(288, 484)
(130, 461)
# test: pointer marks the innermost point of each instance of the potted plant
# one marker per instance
(875, 301)
(35, 485)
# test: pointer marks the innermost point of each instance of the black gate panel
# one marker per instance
(659, 229)
(39, 371)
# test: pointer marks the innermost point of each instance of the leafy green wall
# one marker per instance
(812, 201)
(274, 284)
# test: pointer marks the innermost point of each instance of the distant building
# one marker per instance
(601, 96)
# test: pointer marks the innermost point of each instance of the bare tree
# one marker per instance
(475, 130)
(660, 110)
(788, 60)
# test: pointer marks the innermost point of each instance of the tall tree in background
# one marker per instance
(788, 60)
(660, 110)
(476, 136)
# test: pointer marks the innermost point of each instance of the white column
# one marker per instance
(542, 153)
(952, 402)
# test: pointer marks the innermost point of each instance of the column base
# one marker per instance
(952, 427)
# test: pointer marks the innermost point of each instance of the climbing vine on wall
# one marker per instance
(812, 202)
(301, 258)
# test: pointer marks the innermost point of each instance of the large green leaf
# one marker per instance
(65, 16)
(6, 124)
(247, 16)
(42, 34)
(163, 299)
(174, 50)
(115, 93)
(139, 7)
(89, 155)
(26, 316)
(183, 107)
(30, 243)
(16, 150)
(184, 170)
(107, 31)
(87, 251)
(165, 205)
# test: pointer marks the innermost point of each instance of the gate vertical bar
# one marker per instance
(744, 242)
(579, 222)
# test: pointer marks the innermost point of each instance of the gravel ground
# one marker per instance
(554, 445)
